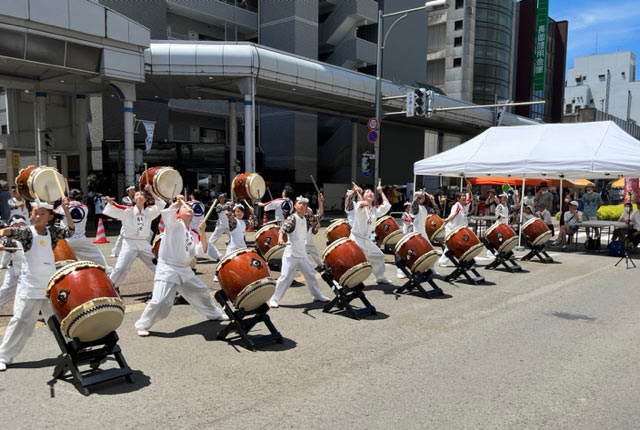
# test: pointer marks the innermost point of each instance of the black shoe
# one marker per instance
(296, 284)
(154, 261)
(179, 300)
(320, 268)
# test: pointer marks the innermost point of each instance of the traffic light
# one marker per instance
(420, 101)
(409, 106)
(366, 167)
(49, 138)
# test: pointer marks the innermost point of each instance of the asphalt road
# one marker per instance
(555, 347)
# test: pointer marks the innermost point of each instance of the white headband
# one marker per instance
(238, 206)
(302, 199)
(17, 219)
(41, 204)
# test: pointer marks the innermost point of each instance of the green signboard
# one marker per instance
(540, 51)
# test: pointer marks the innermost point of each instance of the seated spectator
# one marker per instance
(571, 221)
(543, 213)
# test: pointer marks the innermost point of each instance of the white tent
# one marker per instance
(583, 150)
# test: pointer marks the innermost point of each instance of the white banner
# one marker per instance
(149, 127)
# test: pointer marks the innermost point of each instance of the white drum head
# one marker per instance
(356, 275)
(94, 319)
(392, 239)
(472, 252)
(425, 262)
(255, 294)
(167, 183)
(255, 186)
(509, 245)
(42, 183)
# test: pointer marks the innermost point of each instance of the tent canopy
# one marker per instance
(583, 150)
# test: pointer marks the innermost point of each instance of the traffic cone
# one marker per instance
(101, 237)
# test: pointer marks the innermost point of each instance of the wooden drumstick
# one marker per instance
(315, 185)
(55, 175)
(270, 195)
(11, 249)
(146, 172)
(213, 206)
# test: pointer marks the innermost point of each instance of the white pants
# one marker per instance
(118, 246)
(84, 249)
(290, 265)
(6, 257)
(212, 251)
(9, 285)
(444, 260)
(194, 291)
(313, 252)
(21, 325)
(125, 260)
(374, 255)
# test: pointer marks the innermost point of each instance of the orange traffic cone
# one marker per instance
(101, 237)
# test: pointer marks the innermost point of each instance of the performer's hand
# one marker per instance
(321, 197)
(109, 200)
(65, 203)
(202, 226)
(176, 204)
(148, 188)
(281, 241)
(179, 197)
(261, 204)
(379, 188)
(1, 247)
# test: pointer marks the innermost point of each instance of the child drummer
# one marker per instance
(12, 275)
(282, 206)
(237, 228)
(178, 247)
(295, 255)
(457, 218)
(310, 246)
(222, 206)
(364, 221)
(136, 221)
(38, 265)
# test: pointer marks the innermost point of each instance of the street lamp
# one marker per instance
(382, 37)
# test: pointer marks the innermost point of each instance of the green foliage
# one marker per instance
(611, 212)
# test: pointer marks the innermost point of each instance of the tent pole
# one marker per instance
(521, 214)
(414, 188)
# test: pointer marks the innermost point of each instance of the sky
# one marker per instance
(614, 23)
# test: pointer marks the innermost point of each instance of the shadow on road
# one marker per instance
(207, 329)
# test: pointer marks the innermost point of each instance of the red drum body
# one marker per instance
(338, 229)
(416, 253)
(244, 278)
(63, 254)
(464, 244)
(165, 181)
(434, 226)
(267, 241)
(502, 237)
(346, 263)
(39, 183)
(387, 232)
(248, 186)
(84, 301)
(536, 231)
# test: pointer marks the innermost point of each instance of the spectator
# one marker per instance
(604, 195)
(99, 203)
(625, 217)
(19, 206)
(591, 202)
(543, 213)
(571, 220)
(491, 202)
(527, 214)
(395, 198)
(528, 199)
(544, 197)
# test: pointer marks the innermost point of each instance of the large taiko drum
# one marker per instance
(248, 186)
(463, 244)
(84, 301)
(244, 278)
(267, 241)
(536, 231)
(63, 254)
(337, 230)
(39, 183)
(346, 263)
(434, 226)
(501, 237)
(416, 253)
(387, 232)
(155, 248)
(165, 181)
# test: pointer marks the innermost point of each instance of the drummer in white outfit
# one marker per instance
(136, 221)
(364, 222)
(282, 206)
(238, 227)
(502, 216)
(457, 218)
(349, 201)
(17, 206)
(127, 201)
(310, 246)
(38, 265)
(295, 255)
(222, 225)
(82, 247)
(198, 208)
(12, 275)
(180, 244)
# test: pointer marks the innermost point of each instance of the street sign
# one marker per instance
(372, 136)
(372, 123)
(540, 52)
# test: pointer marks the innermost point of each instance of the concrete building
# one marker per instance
(523, 73)
(606, 82)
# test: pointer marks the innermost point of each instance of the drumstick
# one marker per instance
(146, 172)
(360, 197)
(55, 175)
(315, 185)
(11, 249)
(270, 195)
(206, 217)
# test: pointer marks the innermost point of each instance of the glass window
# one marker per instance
(457, 62)
(457, 41)
(459, 4)
(457, 25)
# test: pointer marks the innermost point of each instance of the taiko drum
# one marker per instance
(464, 244)
(346, 263)
(416, 253)
(338, 229)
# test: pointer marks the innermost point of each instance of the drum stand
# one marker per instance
(344, 297)
(507, 259)
(76, 353)
(242, 322)
(462, 269)
(415, 282)
(537, 251)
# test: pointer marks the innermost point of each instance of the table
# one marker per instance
(481, 223)
(603, 224)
